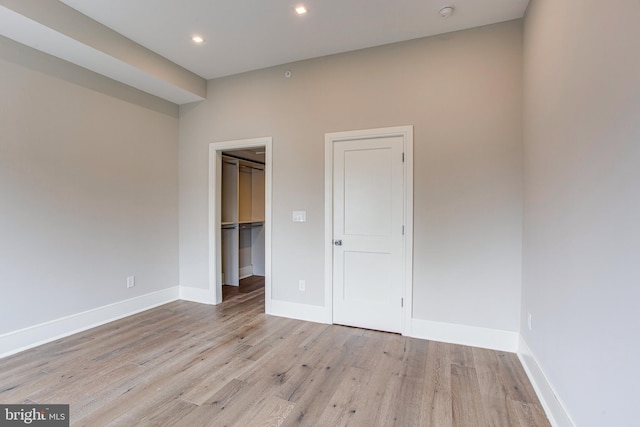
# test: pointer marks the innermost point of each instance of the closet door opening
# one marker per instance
(240, 219)
(242, 222)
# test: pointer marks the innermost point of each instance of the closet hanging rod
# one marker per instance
(251, 167)
(242, 158)
(252, 225)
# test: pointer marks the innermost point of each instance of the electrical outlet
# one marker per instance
(131, 281)
(529, 318)
(301, 285)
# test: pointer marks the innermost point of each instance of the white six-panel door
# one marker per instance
(368, 239)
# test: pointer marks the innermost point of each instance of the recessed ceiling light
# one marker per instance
(301, 10)
(197, 39)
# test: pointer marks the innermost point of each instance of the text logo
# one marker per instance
(34, 415)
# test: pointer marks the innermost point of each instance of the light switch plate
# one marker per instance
(299, 216)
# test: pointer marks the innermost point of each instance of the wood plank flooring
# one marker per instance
(247, 285)
(189, 364)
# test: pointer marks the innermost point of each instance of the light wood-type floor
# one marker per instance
(189, 364)
(247, 285)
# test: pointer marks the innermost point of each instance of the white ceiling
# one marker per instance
(244, 35)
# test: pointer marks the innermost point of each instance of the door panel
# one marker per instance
(368, 211)
(368, 192)
(366, 275)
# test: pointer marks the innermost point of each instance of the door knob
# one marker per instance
(337, 242)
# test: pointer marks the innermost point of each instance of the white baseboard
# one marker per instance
(294, 310)
(494, 339)
(553, 407)
(204, 296)
(245, 272)
(32, 336)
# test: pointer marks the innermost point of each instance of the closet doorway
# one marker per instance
(240, 218)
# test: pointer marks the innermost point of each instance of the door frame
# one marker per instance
(406, 132)
(215, 212)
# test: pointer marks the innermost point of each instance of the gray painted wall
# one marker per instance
(88, 189)
(462, 93)
(582, 203)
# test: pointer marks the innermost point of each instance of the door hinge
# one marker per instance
(403, 230)
(401, 302)
(402, 157)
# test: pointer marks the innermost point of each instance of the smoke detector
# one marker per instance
(446, 11)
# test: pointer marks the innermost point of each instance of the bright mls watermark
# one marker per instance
(34, 415)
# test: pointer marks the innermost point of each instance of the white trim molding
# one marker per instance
(32, 336)
(246, 271)
(215, 212)
(200, 295)
(295, 310)
(553, 406)
(474, 336)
